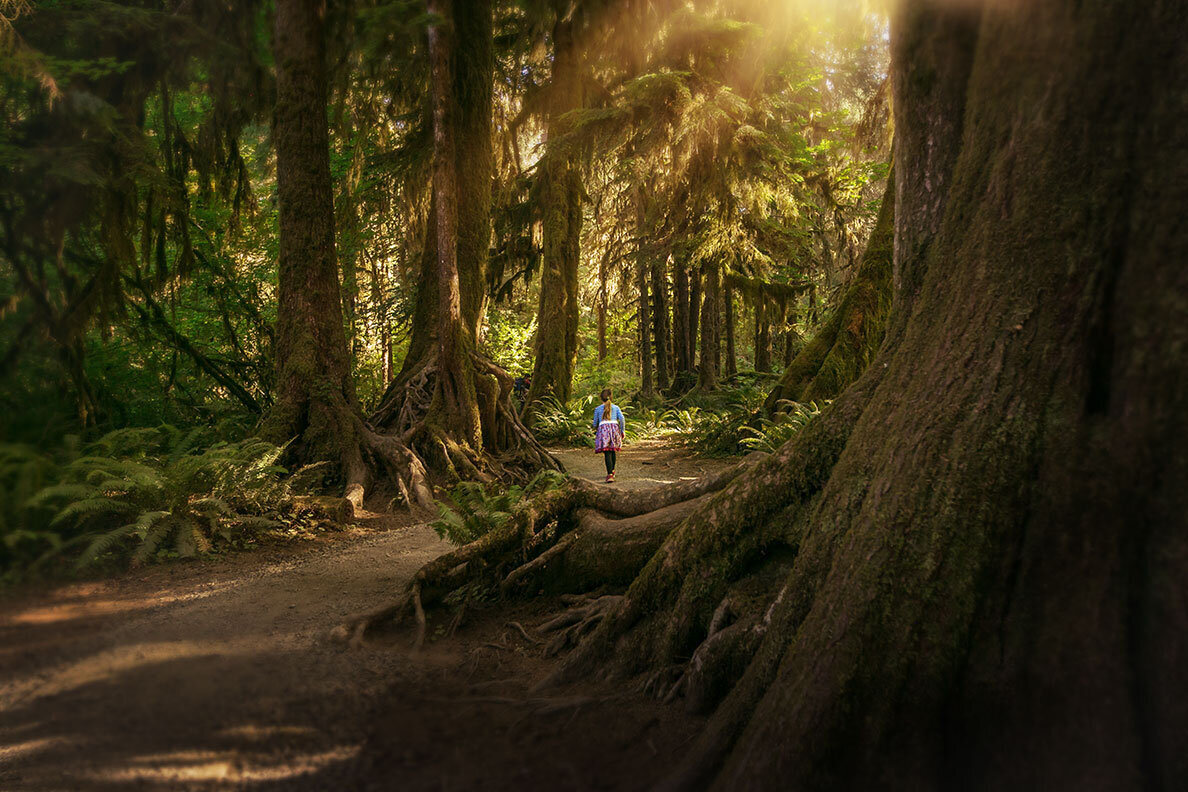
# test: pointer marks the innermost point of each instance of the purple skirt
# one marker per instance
(609, 437)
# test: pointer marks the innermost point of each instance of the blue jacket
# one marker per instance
(617, 415)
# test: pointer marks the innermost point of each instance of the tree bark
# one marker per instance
(472, 78)
(315, 395)
(731, 357)
(710, 363)
(455, 401)
(473, 88)
(561, 207)
(660, 321)
(680, 326)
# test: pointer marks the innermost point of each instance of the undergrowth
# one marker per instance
(477, 510)
(725, 422)
(139, 495)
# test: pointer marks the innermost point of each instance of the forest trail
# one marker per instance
(642, 464)
(220, 675)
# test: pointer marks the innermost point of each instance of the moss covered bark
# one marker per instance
(315, 395)
(561, 221)
(847, 343)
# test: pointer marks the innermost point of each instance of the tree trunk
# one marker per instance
(452, 407)
(731, 357)
(707, 372)
(660, 320)
(473, 87)
(694, 313)
(315, 395)
(680, 326)
(843, 348)
(967, 573)
(561, 208)
(455, 401)
(762, 333)
(647, 388)
(602, 304)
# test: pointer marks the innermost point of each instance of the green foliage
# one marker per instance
(508, 341)
(566, 424)
(138, 494)
(774, 432)
(477, 510)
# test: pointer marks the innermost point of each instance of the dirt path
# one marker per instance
(639, 465)
(220, 676)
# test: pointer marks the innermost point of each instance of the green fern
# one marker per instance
(476, 511)
(141, 492)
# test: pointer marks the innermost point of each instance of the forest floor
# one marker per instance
(220, 675)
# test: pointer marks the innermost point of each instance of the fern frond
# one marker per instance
(155, 533)
(90, 507)
(104, 543)
(63, 491)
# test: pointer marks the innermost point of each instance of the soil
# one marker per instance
(220, 675)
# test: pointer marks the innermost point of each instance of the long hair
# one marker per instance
(608, 407)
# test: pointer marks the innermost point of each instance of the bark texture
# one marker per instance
(315, 395)
(660, 321)
(710, 362)
(731, 355)
(455, 403)
(561, 209)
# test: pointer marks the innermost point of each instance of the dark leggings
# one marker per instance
(610, 461)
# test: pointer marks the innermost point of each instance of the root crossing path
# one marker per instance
(220, 675)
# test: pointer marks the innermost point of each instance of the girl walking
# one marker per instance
(609, 427)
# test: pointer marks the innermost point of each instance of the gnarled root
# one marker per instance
(574, 624)
(563, 540)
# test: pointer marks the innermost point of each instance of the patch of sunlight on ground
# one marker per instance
(191, 766)
(109, 663)
(9, 753)
(78, 606)
(253, 732)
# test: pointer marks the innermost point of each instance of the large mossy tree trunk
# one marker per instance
(967, 573)
(731, 355)
(660, 321)
(647, 386)
(682, 357)
(561, 213)
(455, 407)
(709, 365)
(315, 395)
(450, 405)
(846, 344)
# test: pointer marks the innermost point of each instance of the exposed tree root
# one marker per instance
(564, 539)
(404, 443)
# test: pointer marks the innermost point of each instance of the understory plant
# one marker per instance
(138, 494)
(477, 510)
(783, 426)
(565, 424)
